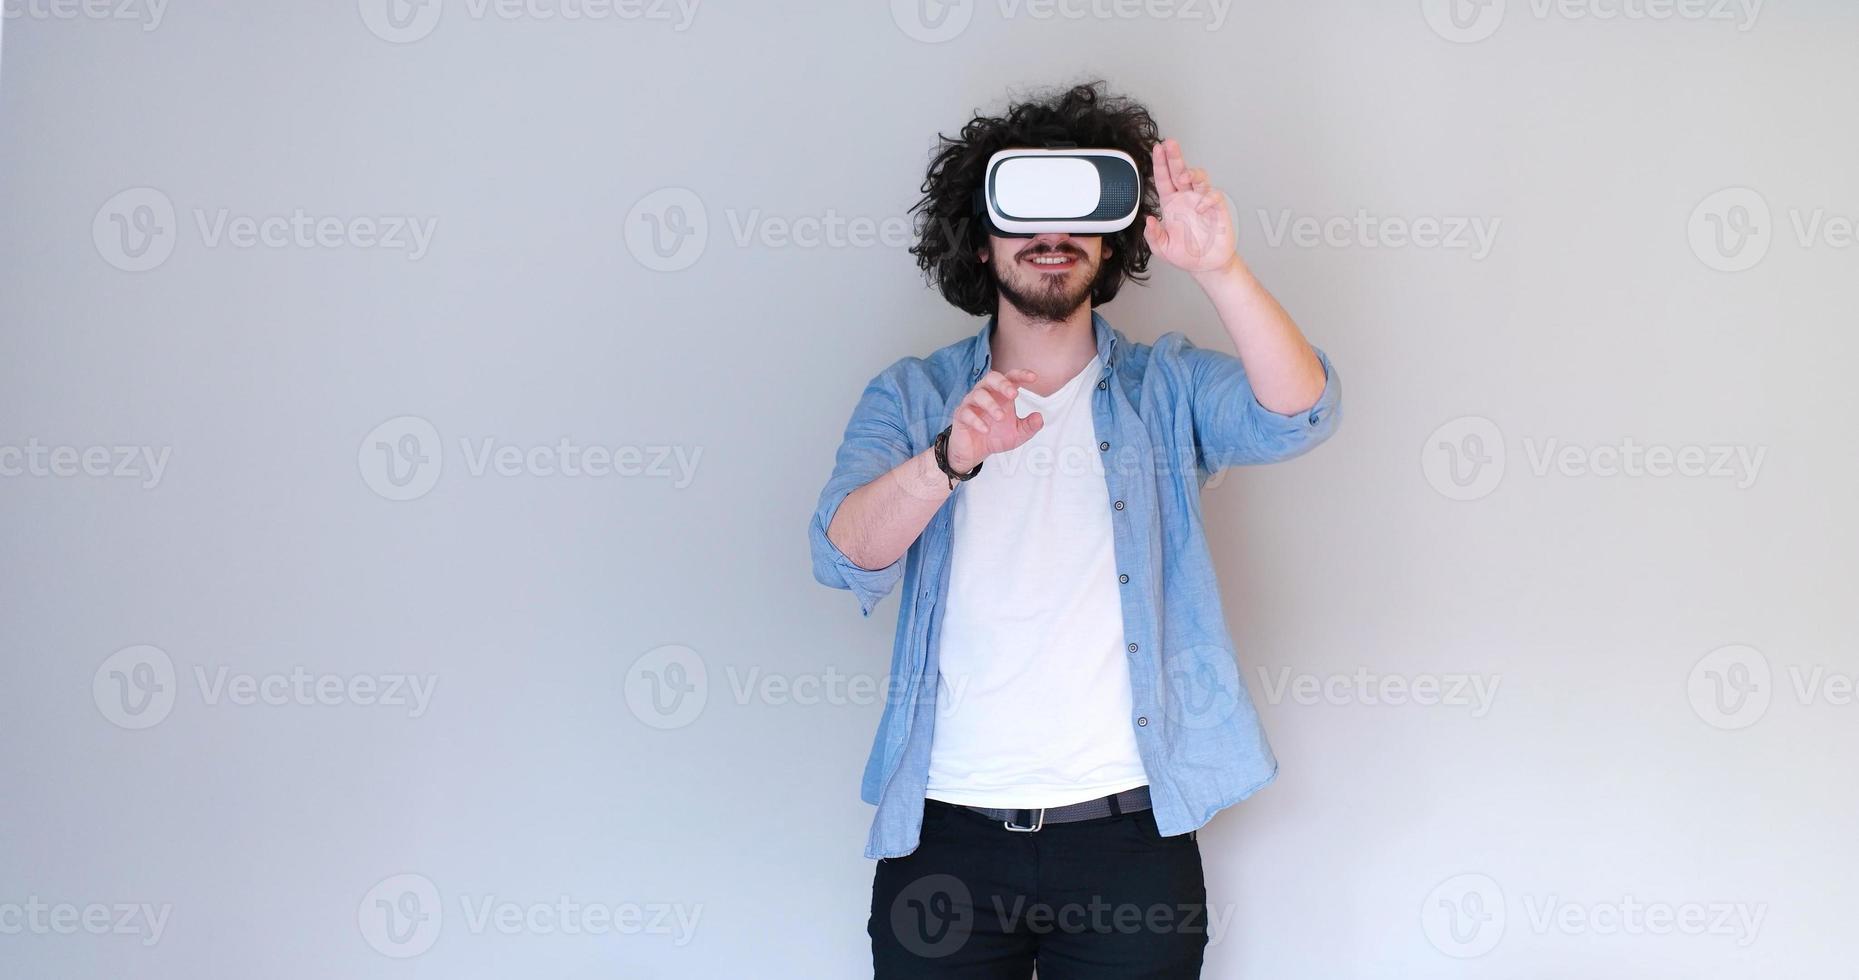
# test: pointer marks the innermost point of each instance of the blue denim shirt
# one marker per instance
(1168, 417)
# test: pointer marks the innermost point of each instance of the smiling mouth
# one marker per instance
(1052, 261)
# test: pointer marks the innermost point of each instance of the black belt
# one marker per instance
(1027, 821)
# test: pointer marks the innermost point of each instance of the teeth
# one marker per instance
(1052, 260)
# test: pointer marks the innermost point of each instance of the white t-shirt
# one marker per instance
(1034, 706)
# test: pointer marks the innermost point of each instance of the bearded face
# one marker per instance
(1046, 277)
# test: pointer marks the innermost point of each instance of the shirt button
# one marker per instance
(1104, 446)
(1313, 418)
(1132, 648)
(1125, 579)
(1119, 505)
(1101, 385)
(1142, 722)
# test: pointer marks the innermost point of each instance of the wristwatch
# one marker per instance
(942, 460)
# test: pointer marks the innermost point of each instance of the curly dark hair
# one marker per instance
(949, 232)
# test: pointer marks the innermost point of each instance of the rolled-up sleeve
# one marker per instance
(1231, 428)
(876, 441)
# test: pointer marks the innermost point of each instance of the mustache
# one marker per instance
(1038, 250)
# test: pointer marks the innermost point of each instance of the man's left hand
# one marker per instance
(1195, 231)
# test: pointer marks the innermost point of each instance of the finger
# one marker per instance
(997, 383)
(1158, 170)
(971, 418)
(1004, 400)
(1154, 234)
(1030, 425)
(995, 379)
(1197, 179)
(1211, 201)
(986, 402)
(1177, 167)
(1022, 376)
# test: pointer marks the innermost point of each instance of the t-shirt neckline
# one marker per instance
(1063, 390)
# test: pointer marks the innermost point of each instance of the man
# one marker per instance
(1066, 708)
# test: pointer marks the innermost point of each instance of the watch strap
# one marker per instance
(942, 460)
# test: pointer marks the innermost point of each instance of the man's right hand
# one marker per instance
(985, 422)
(877, 522)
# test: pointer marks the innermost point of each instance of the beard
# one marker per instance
(1043, 296)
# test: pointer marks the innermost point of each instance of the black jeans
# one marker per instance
(1097, 898)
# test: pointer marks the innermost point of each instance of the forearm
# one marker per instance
(876, 523)
(1285, 374)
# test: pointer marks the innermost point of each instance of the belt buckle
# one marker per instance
(1038, 822)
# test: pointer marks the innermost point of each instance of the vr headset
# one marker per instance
(1027, 192)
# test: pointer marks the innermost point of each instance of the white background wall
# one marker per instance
(1611, 769)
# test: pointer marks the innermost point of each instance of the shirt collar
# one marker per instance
(981, 354)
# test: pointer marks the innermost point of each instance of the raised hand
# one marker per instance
(1195, 232)
(985, 422)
